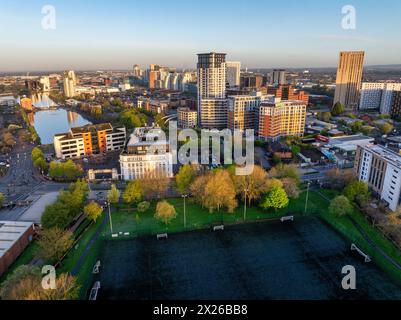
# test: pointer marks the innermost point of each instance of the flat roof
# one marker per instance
(10, 233)
(386, 154)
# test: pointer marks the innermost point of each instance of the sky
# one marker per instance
(100, 35)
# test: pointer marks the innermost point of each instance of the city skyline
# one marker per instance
(118, 35)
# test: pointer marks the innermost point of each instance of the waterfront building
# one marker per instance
(69, 84)
(88, 140)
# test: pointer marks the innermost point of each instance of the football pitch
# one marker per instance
(264, 260)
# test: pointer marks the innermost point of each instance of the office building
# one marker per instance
(187, 118)
(233, 73)
(279, 76)
(88, 140)
(212, 105)
(387, 97)
(380, 168)
(147, 155)
(69, 84)
(279, 119)
(349, 78)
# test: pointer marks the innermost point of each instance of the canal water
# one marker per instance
(50, 122)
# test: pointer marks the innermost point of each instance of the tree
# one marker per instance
(324, 116)
(255, 184)
(93, 211)
(56, 215)
(286, 171)
(215, 190)
(340, 206)
(65, 171)
(133, 192)
(356, 127)
(386, 128)
(113, 196)
(276, 199)
(165, 212)
(273, 183)
(338, 109)
(358, 192)
(155, 186)
(339, 178)
(25, 284)
(291, 188)
(2, 198)
(40, 163)
(143, 206)
(184, 178)
(54, 243)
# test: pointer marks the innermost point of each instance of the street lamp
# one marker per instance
(111, 223)
(245, 192)
(185, 213)
(307, 197)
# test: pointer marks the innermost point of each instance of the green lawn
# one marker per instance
(126, 220)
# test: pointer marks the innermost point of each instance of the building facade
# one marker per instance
(279, 76)
(69, 84)
(147, 155)
(380, 168)
(212, 105)
(233, 73)
(187, 118)
(243, 111)
(288, 92)
(279, 119)
(396, 105)
(378, 95)
(88, 140)
(349, 78)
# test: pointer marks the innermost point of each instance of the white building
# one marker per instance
(187, 118)
(279, 76)
(88, 140)
(69, 83)
(233, 73)
(212, 105)
(378, 95)
(380, 168)
(45, 82)
(147, 155)
(371, 95)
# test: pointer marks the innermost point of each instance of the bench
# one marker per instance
(288, 218)
(218, 228)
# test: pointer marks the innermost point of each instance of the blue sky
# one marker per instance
(260, 33)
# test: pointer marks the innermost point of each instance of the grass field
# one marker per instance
(266, 260)
(126, 219)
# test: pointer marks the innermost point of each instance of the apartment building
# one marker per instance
(378, 95)
(243, 111)
(147, 155)
(69, 84)
(288, 92)
(380, 168)
(396, 105)
(285, 118)
(233, 73)
(187, 118)
(88, 140)
(212, 103)
(349, 78)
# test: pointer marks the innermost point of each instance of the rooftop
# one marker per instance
(386, 154)
(10, 233)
